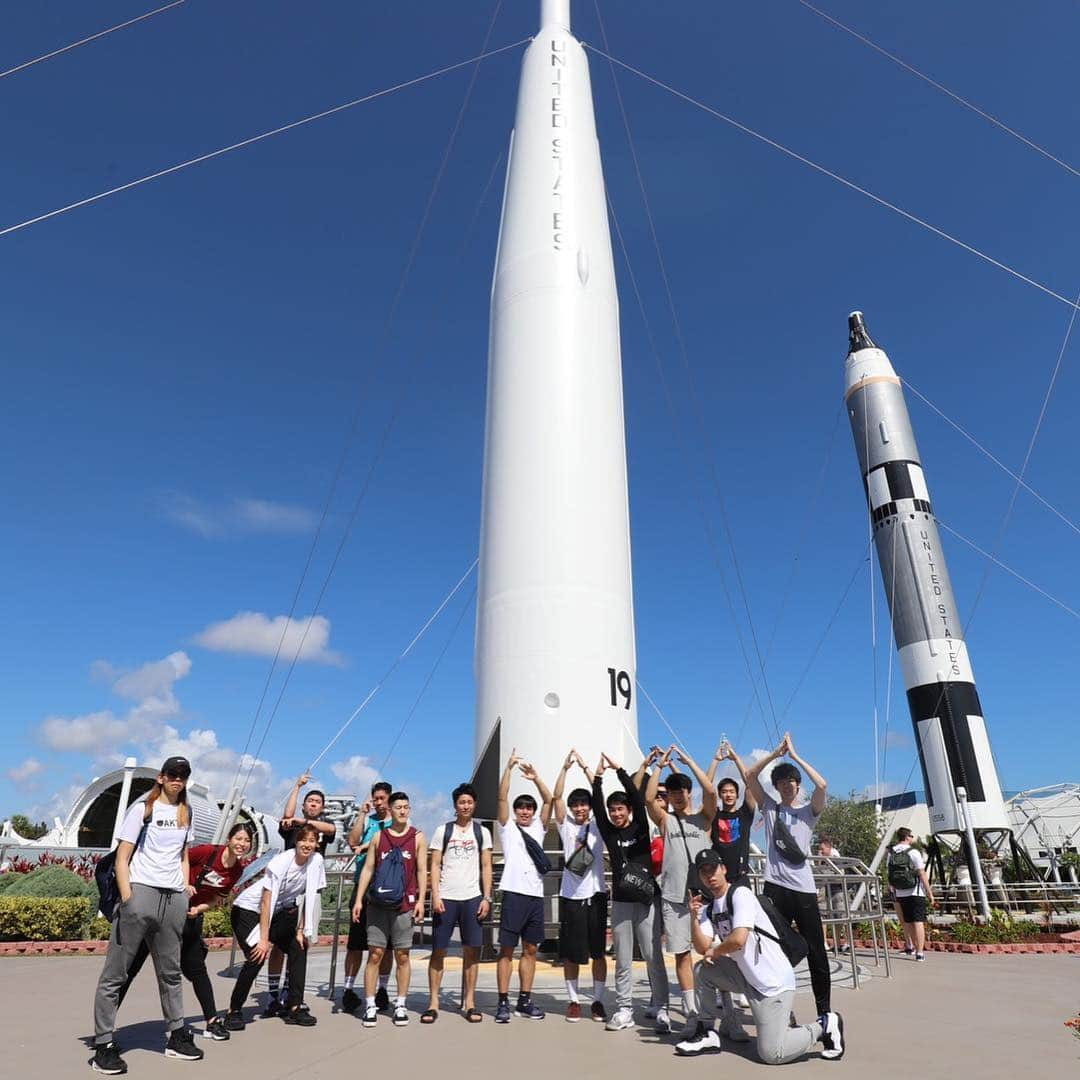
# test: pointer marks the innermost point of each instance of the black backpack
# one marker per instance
(105, 876)
(791, 942)
(901, 870)
(536, 853)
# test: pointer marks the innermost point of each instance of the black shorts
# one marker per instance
(913, 908)
(521, 917)
(583, 928)
(463, 914)
(357, 930)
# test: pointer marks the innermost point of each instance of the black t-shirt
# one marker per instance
(288, 834)
(629, 844)
(731, 838)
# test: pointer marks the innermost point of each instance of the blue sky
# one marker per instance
(183, 362)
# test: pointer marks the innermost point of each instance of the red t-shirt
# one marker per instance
(218, 879)
(387, 842)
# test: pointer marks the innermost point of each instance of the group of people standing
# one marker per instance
(678, 873)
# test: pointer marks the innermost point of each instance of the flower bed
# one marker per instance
(92, 948)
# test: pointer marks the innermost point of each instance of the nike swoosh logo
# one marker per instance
(382, 890)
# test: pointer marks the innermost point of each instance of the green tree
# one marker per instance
(26, 828)
(851, 825)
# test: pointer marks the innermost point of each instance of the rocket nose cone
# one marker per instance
(858, 336)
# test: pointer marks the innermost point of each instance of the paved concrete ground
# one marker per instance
(953, 1017)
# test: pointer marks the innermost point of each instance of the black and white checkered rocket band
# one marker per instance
(891, 482)
(952, 703)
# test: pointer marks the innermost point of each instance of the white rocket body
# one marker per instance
(555, 658)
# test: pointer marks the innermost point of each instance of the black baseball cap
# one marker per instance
(707, 859)
(179, 765)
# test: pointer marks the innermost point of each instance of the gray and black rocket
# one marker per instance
(954, 748)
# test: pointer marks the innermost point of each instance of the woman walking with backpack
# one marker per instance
(214, 871)
(282, 909)
(152, 881)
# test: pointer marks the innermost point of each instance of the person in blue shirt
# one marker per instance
(374, 816)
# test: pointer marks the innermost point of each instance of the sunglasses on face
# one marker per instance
(175, 776)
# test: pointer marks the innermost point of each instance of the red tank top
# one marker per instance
(407, 844)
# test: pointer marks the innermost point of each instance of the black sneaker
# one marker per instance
(528, 1008)
(382, 999)
(371, 1014)
(234, 1020)
(350, 1001)
(107, 1059)
(300, 1016)
(216, 1029)
(502, 1013)
(401, 1016)
(273, 1008)
(832, 1036)
(182, 1045)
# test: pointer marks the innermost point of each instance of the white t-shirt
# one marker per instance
(800, 822)
(591, 882)
(519, 872)
(761, 960)
(156, 862)
(919, 863)
(291, 880)
(459, 872)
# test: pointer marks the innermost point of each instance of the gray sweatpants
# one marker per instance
(658, 979)
(156, 916)
(777, 1043)
(630, 921)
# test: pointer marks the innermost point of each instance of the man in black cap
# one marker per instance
(741, 954)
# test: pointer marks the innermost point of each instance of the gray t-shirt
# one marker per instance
(800, 822)
(676, 867)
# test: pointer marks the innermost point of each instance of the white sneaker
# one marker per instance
(620, 1018)
(663, 1022)
(703, 1041)
(741, 1001)
(832, 1036)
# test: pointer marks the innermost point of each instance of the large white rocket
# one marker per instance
(555, 660)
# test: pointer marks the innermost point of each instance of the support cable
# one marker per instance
(850, 184)
(257, 138)
(695, 396)
(939, 86)
(86, 40)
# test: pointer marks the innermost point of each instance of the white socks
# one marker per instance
(689, 1003)
(350, 980)
(572, 989)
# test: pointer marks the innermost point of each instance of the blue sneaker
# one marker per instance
(502, 1013)
(527, 1008)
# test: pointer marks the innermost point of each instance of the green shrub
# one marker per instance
(42, 918)
(1000, 930)
(8, 879)
(97, 927)
(55, 881)
(217, 922)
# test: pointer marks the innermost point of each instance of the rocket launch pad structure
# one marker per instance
(555, 657)
(954, 747)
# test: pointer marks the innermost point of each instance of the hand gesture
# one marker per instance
(612, 763)
(305, 778)
(787, 746)
(697, 902)
(515, 759)
(366, 808)
(601, 765)
(571, 758)
(527, 770)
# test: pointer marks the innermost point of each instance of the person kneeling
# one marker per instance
(741, 955)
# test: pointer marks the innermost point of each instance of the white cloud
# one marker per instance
(154, 679)
(22, 774)
(357, 774)
(86, 733)
(259, 515)
(235, 516)
(256, 634)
